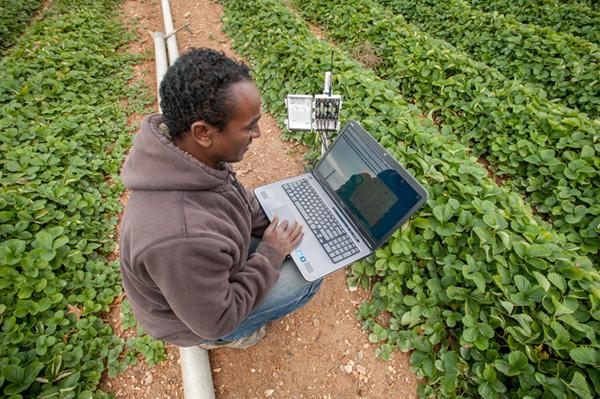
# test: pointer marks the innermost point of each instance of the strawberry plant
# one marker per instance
(535, 142)
(14, 17)
(559, 16)
(490, 301)
(63, 136)
(565, 66)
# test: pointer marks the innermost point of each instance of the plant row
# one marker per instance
(63, 134)
(565, 66)
(490, 301)
(551, 153)
(14, 17)
(563, 17)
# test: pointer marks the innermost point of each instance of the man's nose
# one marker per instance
(256, 132)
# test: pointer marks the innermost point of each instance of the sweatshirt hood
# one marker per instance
(156, 163)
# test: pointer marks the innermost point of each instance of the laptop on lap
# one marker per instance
(356, 197)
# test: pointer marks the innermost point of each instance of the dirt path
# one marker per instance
(319, 351)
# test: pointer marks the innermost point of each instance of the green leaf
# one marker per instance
(43, 240)
(542, 280)
(517, 360)
(539, 250)
(14, 373)
(585, 355)
(448, 379)
(557, 280)
(522, 283)
(580, 386)
(587, 151)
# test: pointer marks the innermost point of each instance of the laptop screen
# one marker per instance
(369, 187)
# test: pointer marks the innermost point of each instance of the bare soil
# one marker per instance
(319, 351)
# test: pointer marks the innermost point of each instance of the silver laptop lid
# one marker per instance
(368, 184)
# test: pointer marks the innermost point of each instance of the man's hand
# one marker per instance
(283, 236)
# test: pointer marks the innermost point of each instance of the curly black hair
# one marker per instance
(196, 87)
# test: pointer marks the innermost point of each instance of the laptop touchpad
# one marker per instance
(284, 213)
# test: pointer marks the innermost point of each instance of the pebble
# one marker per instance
(217, 370)
(187, 14)
(360, 355)
(148, 379)
(361, 369)
(253, 371)
(269, 392)
(347, 369)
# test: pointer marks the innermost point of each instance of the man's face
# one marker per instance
(234, 140)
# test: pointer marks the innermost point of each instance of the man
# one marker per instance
(200, 262)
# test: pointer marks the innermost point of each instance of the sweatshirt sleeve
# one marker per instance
(194, 276)
(260, 222)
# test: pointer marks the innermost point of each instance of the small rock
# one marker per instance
(217, 370)
(361, 369)
(187, 14)
(348, 369)
(269, 392)
(253, 371)
(360, 355)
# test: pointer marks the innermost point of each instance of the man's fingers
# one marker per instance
(297, 229)
(284, 225)
(297, 240)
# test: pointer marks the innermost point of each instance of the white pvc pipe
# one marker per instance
(169, 29)
(160, 54)
(197, 377)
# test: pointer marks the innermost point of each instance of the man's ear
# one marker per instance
(202, 133)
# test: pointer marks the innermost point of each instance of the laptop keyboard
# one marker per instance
(320, 220)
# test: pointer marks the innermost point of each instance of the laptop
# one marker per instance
(355, 198)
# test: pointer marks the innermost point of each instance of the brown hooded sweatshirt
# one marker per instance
(184, 242)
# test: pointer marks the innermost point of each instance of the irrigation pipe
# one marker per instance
(160, 53)
(195, 364)
(171, 40)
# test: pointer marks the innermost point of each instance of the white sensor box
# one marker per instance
(299, 107)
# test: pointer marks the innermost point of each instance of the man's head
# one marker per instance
(211, 106)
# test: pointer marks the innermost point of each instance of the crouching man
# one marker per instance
(201, 264)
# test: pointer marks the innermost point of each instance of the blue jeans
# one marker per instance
(290, 292)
